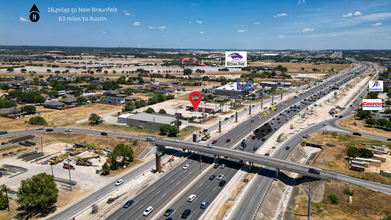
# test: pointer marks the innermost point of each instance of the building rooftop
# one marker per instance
(230, 86)
(157, 118)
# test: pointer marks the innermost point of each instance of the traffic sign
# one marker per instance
(305, 137)
(315, 105)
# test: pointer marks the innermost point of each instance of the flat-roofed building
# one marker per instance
(150, 121)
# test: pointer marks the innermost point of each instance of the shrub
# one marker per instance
(348, 191)
(333, 198)
(37, 120)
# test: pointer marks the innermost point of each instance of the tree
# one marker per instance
(381, 122)
(59, 87)
(150, 110)
(39, 99)
(162, 111)
(129, 106)
(163, 129)
(315, 70)
(76, 94)
(333, 198)
(53, 93)
(38, 192)
(10, 69)
(93, 99)
(348, 191)
(94, 118)
(125, 151)
(3, 197)
(363, 113)
(105, 169)
(372, 95)
(29, 109)
(172, 131)
(81, 99)
(37, 120)
(353, 152)
(5, 87)
(7, 103)
(387, 112)
(187, 72)
(128, 91)
(370, 121)
(137, 104)
(91, 87)
(365, 153)
(36, 81)
(178, 123)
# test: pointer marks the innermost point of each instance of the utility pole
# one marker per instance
(309, 201)
(8, 201)
(69, 167)
(41, 146)
(51, 165)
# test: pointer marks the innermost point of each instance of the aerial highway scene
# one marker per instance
(201, 110)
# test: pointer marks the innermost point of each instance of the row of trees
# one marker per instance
(362, 152)
(121, 152)
(379, 122)
(131, 105)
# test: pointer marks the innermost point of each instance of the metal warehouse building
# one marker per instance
(150, 121)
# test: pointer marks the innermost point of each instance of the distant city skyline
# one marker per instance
(245, 25)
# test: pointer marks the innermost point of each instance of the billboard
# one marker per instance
(375, 86)
(243, 85)
(371, 104)
(235, 59)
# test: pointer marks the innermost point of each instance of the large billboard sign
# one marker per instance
(235, 59)
(371, 104)
(376, 86)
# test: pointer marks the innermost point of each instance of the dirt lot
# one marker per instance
(334, 156)
(349, 124)
(365, 204)
(58, 117)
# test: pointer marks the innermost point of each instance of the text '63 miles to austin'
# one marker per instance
(75, 18)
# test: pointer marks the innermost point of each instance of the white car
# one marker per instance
(208, 145)
(186, 166)
(148, 211)
(191, 198)
(119, 182)
(40, 128)
(174, 140)
(68, 130)
(221, 176)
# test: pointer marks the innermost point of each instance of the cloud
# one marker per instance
(104, 32)
(256, 22)
(240, 25)
(377, 24)
(308, 29)
(279, 15)
(128, 14)
(387, 37)
(348, 15)
(189, 22)
(280, 36)
(162, 27)
(23, 19)
(192, 4)
(357, 13)
(201, 32)
(241, 31)
(333, 35)
(301, 1)
(137, 23)
(199, 22)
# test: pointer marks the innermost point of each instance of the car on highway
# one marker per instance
(324, 124)
(40, 128)
(253, 106)
(68, 130)
(169, 212)
(216, 165)
(103, 133)
(356, 133)
(223, 166)
(263, 139)
(212, 177)
(191, 198)
(66, 166)
(241, 162)
(279, 122)
(186, 166)
(287, 148)
(175, 140)
(336, 116)
(204, 204)
(278, 119)
(388, 139)
(214, 141)
(208, 145)
(205, 130)
(49, 130)
(255, 148)
(267, 154)
(341, 116)
(226, 119)
(119, 182)
(228, 140)
(312, 170)
(253, 136)
(186, 213)
(221, 176)
(232, 116)
(222, 183)
(148, 211)
(128, 203)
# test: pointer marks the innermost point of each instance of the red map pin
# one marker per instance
(195, 103)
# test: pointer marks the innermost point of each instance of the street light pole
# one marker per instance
(69, 168)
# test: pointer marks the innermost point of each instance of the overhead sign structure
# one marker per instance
(375, 86)
(243, 85)
(235, 59)
(371, 104)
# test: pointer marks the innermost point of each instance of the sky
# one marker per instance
(217, 24)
